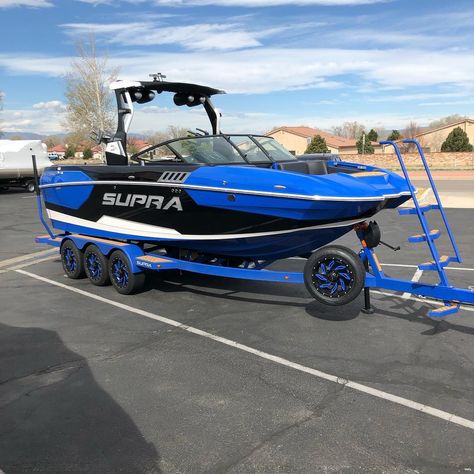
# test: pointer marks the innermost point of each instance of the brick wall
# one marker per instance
(436, 161)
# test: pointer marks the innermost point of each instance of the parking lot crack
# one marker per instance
(27, 385)
(326, 402)
(47, 370)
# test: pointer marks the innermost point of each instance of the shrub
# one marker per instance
(457, 140)
(317, 145)
(366, 149)
(87, 153)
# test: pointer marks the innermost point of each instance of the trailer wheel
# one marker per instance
(124, 280)
(334, 275)
(96, 266)
(72, 260)
(30, 186)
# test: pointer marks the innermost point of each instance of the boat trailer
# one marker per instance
(333, 274)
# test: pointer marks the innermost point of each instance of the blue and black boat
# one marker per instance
(222, 194)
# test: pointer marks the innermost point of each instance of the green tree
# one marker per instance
(457, 140)
(373, 136)
(365, 149)
(87, 153)
(394, 136)
(317, 145)
(70, 151)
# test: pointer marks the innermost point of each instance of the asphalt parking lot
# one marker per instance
(200, 374)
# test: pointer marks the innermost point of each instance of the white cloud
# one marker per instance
(25, 3)
(44, 65)
(32, 120)
(244, 3)
(265, 70)
(201, 36)
(51, 105)
(153, 109)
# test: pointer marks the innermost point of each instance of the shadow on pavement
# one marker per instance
(279, 294)
(411, 310)
(54, 417)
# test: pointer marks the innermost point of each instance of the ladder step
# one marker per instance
(449, 308)
(412, 210)
(433, 235)
(444, 261)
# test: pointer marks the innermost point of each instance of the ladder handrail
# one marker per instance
(421, 217)
(438, 199)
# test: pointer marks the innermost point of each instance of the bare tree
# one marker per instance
(450, 119)
(171, 132)
(411, 131)
(53, 140)
(89, 101)
(349, 130)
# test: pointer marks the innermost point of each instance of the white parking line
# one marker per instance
(415, 279)
(22, 258)
(403, 265)
(421, 300)
(416, 266)
(452, 418)
(29, 264)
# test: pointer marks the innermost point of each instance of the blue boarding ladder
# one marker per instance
(429, 236)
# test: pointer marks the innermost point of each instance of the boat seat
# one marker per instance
(305, 167)
(317, 167)
(294, 166)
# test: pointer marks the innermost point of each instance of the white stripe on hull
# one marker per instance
(131, 229)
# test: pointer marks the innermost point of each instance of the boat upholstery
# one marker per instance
(304, 167)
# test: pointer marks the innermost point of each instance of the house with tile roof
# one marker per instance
(297, 139)
(60, 150)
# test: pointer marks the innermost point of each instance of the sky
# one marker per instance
(282, 62)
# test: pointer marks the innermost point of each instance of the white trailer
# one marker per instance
(16, 168)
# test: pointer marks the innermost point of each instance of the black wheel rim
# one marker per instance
(333, 277)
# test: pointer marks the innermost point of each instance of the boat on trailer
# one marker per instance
(218, 193)
(230, 205)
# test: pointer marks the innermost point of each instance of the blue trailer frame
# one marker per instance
(451, 296)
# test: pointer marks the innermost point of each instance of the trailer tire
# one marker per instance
(334, 275)
(96, 266)
(30, 186)
(72, 260)
(121, 275)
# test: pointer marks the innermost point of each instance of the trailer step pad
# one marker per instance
(412, 210)
(444, 261)
(442, 311)
(153, 259)
(156, 262)
(433, 235)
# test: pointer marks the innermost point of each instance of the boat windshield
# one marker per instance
(276, 151)
(217, 149)
(205, 150)
(251, 151)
